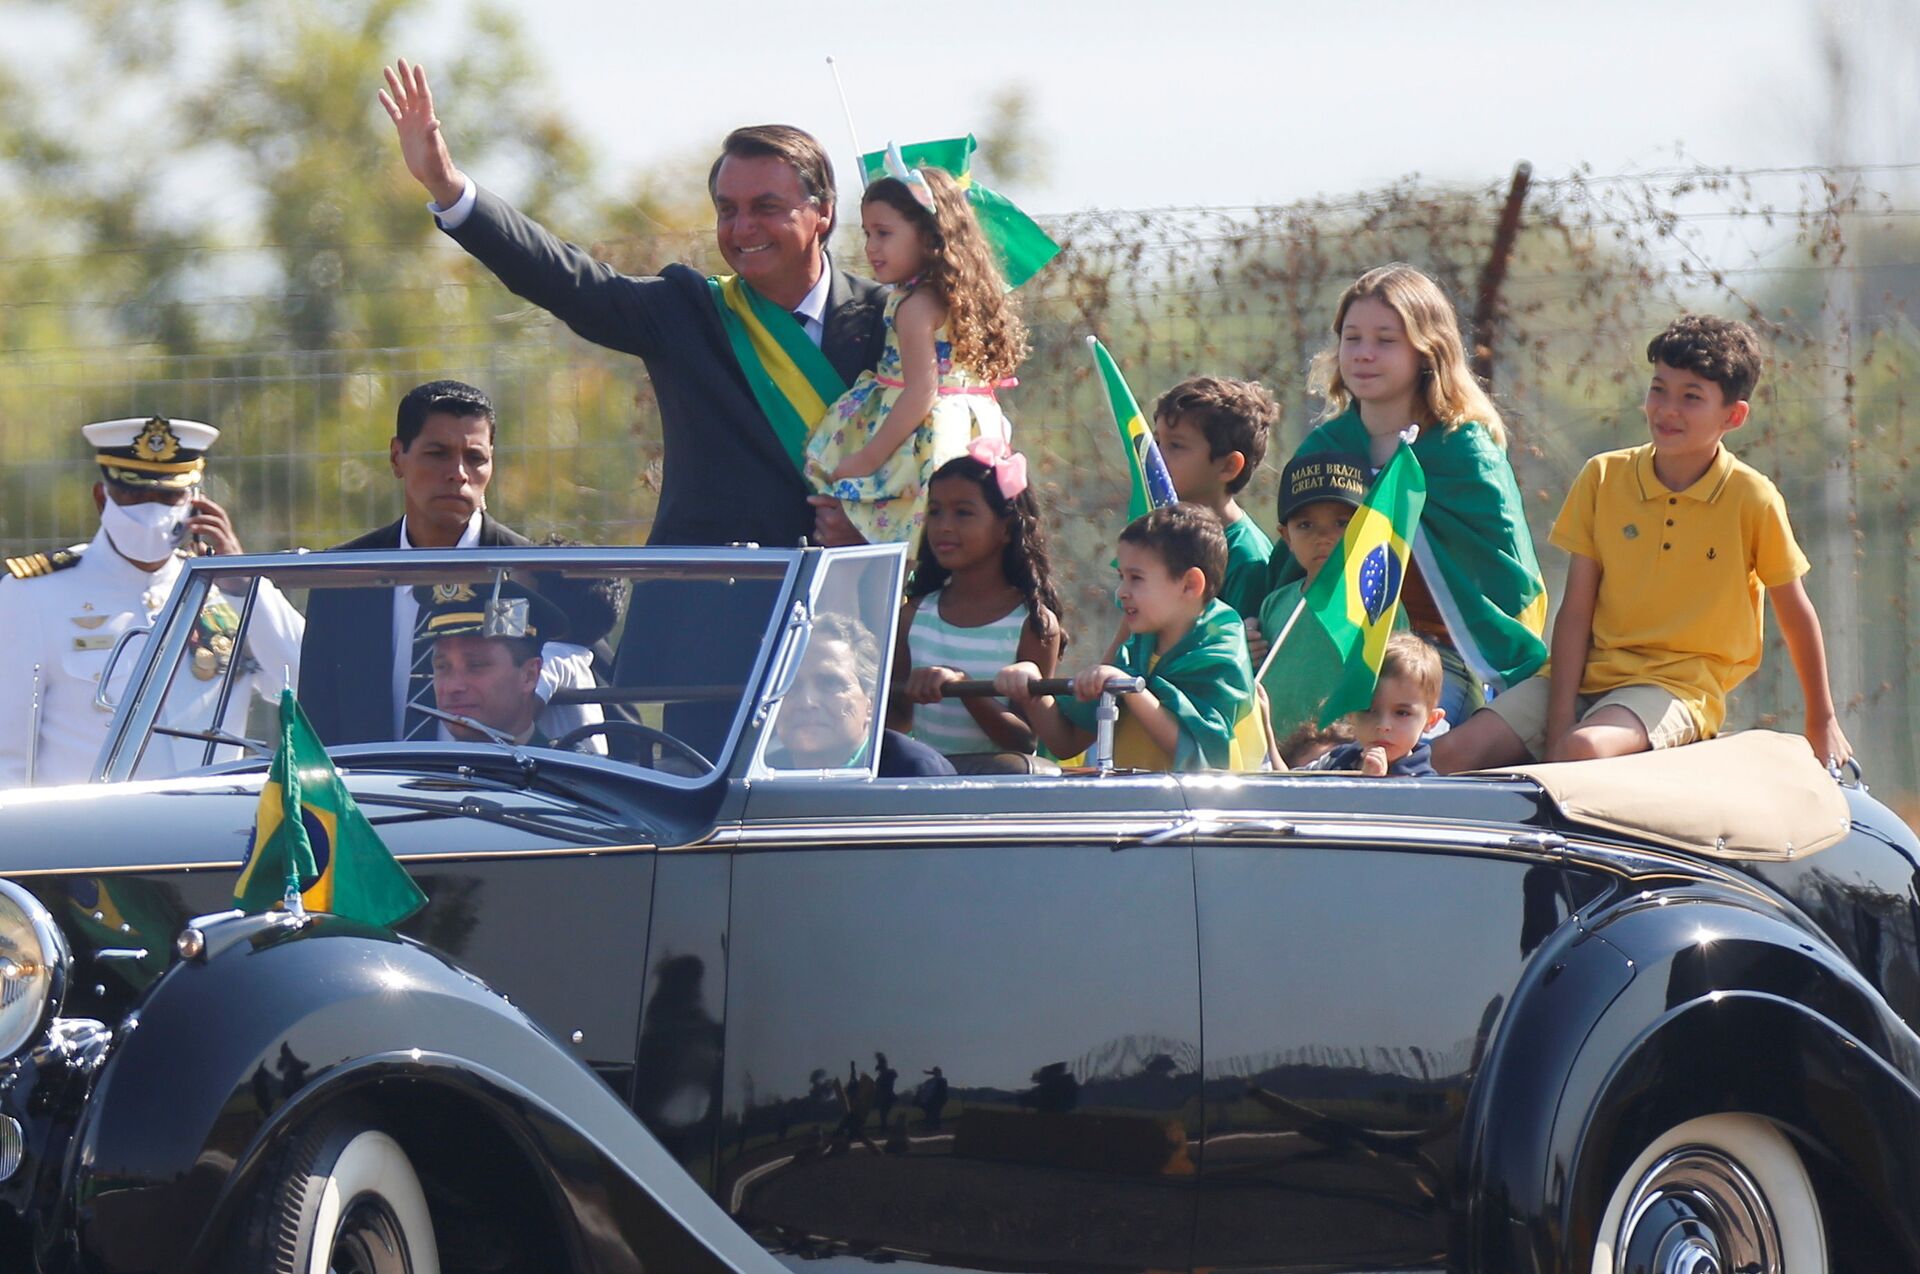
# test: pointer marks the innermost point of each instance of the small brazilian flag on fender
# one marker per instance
(1357, 593)
(309, 836)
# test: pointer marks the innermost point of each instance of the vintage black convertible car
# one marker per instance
(687, 997)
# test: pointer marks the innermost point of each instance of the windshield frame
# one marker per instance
(887, 637)
(160, 657)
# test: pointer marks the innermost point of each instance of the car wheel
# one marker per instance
(344, 1200)
(1720, 1193)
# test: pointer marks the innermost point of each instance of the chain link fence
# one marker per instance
(1824, 263)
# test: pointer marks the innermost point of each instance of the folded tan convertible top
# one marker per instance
(1751, 794)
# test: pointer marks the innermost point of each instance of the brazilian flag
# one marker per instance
(309, 836)
(1149, 485)
(1020, 247)
(1357, 593)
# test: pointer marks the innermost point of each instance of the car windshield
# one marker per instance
(641, 656)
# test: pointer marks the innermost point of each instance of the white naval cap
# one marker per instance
(151, 451)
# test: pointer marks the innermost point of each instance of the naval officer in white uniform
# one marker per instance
(61, 612)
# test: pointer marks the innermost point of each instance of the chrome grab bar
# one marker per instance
(100, 699)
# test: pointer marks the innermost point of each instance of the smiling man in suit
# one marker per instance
(360, 664)
(743, 365)
(737, 363)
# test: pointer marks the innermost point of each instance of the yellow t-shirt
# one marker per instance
(1134, 748)
(1681, 575)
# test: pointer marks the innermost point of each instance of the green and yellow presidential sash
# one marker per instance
(790, 378)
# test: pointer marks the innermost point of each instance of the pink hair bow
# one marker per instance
(1009, 467)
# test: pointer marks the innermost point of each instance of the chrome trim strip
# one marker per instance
(452, 855)
(1095, 827)
(1261, 827)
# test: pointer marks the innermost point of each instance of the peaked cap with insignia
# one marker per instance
(151, 451)
(470, 610)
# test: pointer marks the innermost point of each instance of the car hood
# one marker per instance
(207, 821)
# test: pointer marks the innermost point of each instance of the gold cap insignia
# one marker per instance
(443, 593)
(157, 441)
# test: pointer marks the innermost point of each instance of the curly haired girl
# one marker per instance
(953, 339)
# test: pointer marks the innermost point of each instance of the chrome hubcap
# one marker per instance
(1697, 1212)
(369, 1240)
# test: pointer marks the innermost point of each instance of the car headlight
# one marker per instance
(33, 968)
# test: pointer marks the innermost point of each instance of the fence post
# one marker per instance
(1486, 309)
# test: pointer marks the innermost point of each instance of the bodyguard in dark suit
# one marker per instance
(726, 475)
(351, 660)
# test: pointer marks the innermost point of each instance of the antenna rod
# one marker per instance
(847, 110)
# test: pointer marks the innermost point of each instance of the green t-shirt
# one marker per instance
(1248, 549)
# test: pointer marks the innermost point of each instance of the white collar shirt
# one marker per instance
(406, 612)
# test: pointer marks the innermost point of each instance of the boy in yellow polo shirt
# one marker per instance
(1671, 545)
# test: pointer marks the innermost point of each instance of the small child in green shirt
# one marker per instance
(1197, 711)
(1212, 433)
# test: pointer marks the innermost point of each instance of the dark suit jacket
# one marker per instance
(346, 657)
(726, 476)
(904, 757)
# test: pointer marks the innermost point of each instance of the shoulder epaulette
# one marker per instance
(34, 565)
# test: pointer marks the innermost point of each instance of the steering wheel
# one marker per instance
(614, 726)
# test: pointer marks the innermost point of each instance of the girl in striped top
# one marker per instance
(982, 597)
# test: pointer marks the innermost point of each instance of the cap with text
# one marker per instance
(1323, 475)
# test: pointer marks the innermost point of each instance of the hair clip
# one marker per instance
(1009, 467)
(912, 178)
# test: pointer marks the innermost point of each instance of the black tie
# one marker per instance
(420, 681)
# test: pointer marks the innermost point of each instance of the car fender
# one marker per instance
(231, 1052)
(1731, 1006)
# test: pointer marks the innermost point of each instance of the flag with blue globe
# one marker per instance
(1357, 593)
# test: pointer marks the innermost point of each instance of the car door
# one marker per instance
(962, 1023)
(1356, 962)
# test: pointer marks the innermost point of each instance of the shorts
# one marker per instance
(1461, 694)
(1668, 722)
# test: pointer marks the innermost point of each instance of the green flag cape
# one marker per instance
(1474, 550)
(308, 834)
(791, 379)
(1355, 598)
(1205, 681)
(1021, 247)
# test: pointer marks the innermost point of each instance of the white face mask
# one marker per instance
(144, 532)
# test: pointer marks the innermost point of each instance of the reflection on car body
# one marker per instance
(723, 998)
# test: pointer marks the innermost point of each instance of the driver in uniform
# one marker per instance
(487, 658)
(62, 611)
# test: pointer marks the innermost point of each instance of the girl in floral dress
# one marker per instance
(953, 338)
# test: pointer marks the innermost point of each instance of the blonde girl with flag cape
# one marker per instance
(1474, 587)
(953, 338)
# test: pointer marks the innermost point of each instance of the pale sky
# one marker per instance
(1233, 102)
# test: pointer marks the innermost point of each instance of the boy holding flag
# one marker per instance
(1212, 435)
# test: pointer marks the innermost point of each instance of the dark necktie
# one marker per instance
(420, 681)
